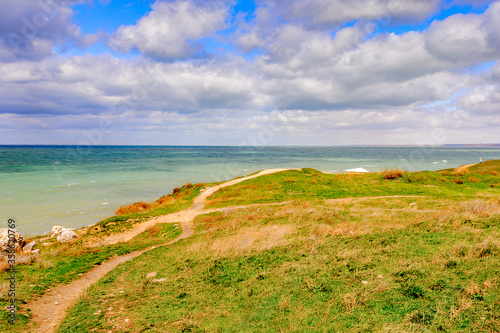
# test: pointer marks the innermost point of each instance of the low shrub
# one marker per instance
(392, 173)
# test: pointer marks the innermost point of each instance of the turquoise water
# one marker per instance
(74, 186)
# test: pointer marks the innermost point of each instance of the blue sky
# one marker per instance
(267, 72)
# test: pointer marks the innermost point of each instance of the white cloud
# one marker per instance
(331, 13)
(466, 39)
(66, 85)
(340, 85)
(171, 30)
(32, 29)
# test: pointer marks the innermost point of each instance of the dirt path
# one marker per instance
(463, 167)
(49, 311)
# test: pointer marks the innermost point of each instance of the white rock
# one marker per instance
(4, 240)
(151, 275)
(29, 247)
(67, 236)
(364, 282)
(160, 280)
(56, 230)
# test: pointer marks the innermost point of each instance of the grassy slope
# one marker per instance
(61, 263)
(179, 200)
(311, 184)
(65, 263)
(487, 166)
(350, 265)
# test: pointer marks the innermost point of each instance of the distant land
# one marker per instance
(474, 145)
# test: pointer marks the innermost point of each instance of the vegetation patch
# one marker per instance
(127, 216)
(346, 253)
(64, 263)
(413, 260)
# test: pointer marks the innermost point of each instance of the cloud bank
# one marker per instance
(339, 72)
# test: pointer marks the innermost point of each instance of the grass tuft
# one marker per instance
(392, 173)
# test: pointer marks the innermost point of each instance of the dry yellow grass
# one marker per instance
(392, 173)
(350, 301)
(346, 217)
(251, 239)
(4, 266)
(21, 259)
(4, 289)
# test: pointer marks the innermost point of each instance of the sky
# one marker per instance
(249, 72)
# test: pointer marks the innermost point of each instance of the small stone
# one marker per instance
(483, 318)
(56, 230)
(364, 282)
(31, 285)
(56, 303)
(109, 309)
(151, 275)
(379, 276)
(160, 280)
(29, 247)
(127, 320)
(6, 242)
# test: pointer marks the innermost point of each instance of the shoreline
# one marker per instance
(83, 229)
(399, 192)
(53, 187)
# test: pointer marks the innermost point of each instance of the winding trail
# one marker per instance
(463, 168)
(49, 311)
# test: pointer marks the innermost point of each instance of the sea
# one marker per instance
(76, 186)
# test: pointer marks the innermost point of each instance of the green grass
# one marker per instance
(417, 264)
(65, 262)
(312, 184)
(487, 166)
(307, 285)
(62, 263)
(330, 260)
(180, 199)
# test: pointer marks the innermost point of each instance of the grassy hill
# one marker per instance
(378, 252)
(349, 253)
(491, 166)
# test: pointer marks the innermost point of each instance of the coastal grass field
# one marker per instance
(393, 251)
(378, 252)
(64, 263)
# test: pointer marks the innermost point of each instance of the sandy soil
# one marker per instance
(49, 311)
